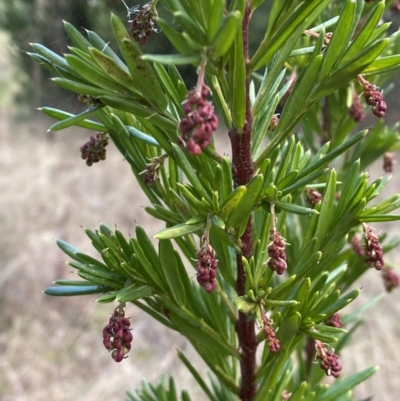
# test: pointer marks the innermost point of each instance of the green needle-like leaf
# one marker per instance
(173, 273)
(180, 230)
(69, 291)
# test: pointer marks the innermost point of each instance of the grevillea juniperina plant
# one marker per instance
(261, 250)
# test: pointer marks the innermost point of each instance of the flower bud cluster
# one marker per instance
(270, 334)
(143, 24)
(327, 38)
(313, 196)
(373, 97)
(199, 122)
(356, 110)
(329, 360)
(207, 266)
(152, 171)
(390, 279)
(117, 336)
(388, 162)
(276, 252)
(373, 249)
(334, 321)
(95, 149)
(273, 122)
(395, 7)
(357, 246)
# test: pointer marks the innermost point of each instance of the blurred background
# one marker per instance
(51, 347)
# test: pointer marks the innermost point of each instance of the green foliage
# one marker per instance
(211, 211)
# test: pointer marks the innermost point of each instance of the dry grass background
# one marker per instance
(51, 348)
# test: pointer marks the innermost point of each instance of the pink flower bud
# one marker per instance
(117, 336)
(276, 252)
(207, 265)
(329, 360)
(199, 122)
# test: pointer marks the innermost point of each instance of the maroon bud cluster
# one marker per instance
(276, 252)
(207, 266)
(152, 171)
(395, 7)
(95, 149)
(329, 360)
(199, 122)
(373, 97)
(293, 78)
(149, 175)
(327, 38)
(390, 279)
(90, 100)
(356, 110)
(388, 162)
(270, 335)
(117, 336)
(143, 24)
(373, 249)
(273, 123)
(334, 321)
(357, 246)
(313, 196)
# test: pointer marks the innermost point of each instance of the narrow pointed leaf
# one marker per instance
(172, 272)
(63, 115)
(133, 292)
(343, 386)
(179, 230)
(74, 120)
(69, 291)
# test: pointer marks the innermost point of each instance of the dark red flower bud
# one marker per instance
(356, 110)
(207, 265)
(117, 355)
(313, 196)
(373, 249)
(373, 97)
(119, 333)
(150, 175)
(273, 123)
(334, 321)
(95, 149)
(199, 122)
(107, 343)
(270, 334)
(395, 7)
(117, 336)
(388, 162)
(143, 24)
(357, 247)
(327, 38)
(329, 360)
(276, 252)
(127, 338)
(390, 279)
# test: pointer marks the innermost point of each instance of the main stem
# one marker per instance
(242, 170)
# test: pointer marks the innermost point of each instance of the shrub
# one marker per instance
(277, 234)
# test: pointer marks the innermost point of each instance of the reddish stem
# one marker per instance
(242, 170)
